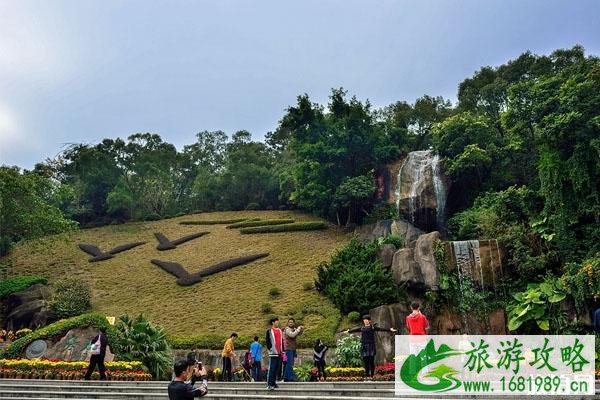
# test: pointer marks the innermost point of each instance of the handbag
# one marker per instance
(95, 349)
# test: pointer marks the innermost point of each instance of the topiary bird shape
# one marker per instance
(166, 244)
(99, 255)
(184, 278)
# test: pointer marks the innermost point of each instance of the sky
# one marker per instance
(79, 71)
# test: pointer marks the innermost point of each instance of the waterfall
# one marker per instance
(466, 253)
(415, 169)
(440, 192)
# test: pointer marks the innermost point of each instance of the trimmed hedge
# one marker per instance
(95, 320)
(18, 284)
(266, 222)
(218, 221)
(296, 226)
(208, 341)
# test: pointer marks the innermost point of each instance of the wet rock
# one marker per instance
(386, 254)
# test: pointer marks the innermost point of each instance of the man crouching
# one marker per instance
(179, 389)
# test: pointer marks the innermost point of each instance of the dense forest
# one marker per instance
(521, 147)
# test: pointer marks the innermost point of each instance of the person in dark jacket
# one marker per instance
(367, 343)
(179, 389)
(319, 358)
(98, 351)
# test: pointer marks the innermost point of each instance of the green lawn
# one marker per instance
(225, 302)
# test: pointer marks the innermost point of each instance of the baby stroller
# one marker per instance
(246, 367)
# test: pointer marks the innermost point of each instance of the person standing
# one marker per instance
(179, 389)
(275, 347)
(98, 353)
(256, 353)
(291, 334)
(319, 358)
(228, 354)
(367, 343)
(417, 325)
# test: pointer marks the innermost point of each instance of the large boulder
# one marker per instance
(415, 265)
(28, 308)
(386, 254)
(72, 346)
(388, 316)
(386, 227)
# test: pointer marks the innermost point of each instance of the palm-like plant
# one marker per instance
(143, 341)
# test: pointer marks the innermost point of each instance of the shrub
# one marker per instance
(22, 333)
(266, 308)
(274, 292)
(396, 240)
(582, 281)
(296, 226)
(266, 222)
(537, 307)
(152, 217)
(140, 340)
(5, 245)
(253, 206)
(347, 352)
(218, 221)
(354, 316)
(354, 278)
(307, 286)
(282, 207)
(16, 348)
(72, 297)
(18, 284)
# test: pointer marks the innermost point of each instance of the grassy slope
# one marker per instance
(222, 303)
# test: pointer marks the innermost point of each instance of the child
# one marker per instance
(319, 358)
(367, 344)
(256, 352)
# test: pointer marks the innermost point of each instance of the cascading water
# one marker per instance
(420, 169)
(468, 258)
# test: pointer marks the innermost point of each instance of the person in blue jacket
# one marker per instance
(256, 352)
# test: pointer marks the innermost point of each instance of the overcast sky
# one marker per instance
(79, 71)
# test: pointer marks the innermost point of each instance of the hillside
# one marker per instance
(219, 304)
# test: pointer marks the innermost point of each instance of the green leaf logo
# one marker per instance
(444, 374)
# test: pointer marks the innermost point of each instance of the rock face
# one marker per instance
(388, 316)
(386, 254)
(72, 346)
(480, 260)
(421, 190)
(415, 265)
(28, 308)
(368, 233)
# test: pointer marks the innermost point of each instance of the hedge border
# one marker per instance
(296, 226)
(218, 221)
(19, 283)
(266, 222)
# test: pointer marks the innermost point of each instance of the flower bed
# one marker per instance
(58, 369)
(383, 372)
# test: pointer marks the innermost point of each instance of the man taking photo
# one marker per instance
(179, 389)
